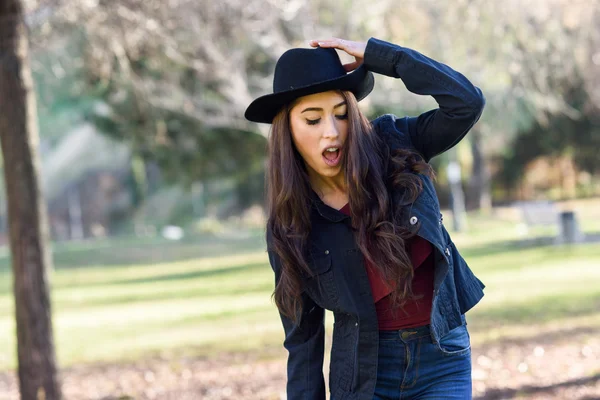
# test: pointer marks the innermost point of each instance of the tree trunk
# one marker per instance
(28, 229)
(480, 181)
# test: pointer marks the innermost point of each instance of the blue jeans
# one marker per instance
(410, 366)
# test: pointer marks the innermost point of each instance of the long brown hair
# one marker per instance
(370, 168)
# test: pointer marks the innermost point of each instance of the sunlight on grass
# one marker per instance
(187, 334)
(126, 310)
(102, 274)
(201, 301)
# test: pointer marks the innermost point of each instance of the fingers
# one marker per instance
(356, 49)
(332, 42)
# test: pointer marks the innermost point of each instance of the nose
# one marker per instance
(331, 128)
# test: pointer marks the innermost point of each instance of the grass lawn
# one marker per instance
(125, 299)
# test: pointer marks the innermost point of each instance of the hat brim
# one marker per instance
(263, 109)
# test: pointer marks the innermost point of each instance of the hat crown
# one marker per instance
(301, 72)
(297, 68)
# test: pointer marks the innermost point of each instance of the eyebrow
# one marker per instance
(320, 109)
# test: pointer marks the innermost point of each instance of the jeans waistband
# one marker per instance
(406, 334)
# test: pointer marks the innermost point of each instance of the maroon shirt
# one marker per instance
(415, 312)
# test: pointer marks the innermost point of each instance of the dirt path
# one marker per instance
(565, 368)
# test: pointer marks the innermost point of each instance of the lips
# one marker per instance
(332, 159)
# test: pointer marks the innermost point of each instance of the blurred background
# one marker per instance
(154, 186)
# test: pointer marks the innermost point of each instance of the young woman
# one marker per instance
(354, 225)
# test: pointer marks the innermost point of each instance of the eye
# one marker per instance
(316, 121)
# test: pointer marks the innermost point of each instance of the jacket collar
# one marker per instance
(326, 211)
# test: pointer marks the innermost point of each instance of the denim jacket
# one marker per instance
(340, 282)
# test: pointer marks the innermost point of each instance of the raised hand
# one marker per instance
(355, 49)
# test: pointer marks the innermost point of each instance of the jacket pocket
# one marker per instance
(457, 342)
(322, 287)
(320, 263)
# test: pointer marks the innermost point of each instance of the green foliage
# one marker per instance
(73, 87)
(62, 97)
(176, 92)
(184, 149)
(558, 134)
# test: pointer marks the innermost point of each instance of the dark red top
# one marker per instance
(415, 312)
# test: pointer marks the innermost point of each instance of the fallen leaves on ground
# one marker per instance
(567, 367)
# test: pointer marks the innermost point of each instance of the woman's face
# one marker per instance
(319, 122)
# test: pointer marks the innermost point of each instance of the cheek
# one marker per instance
(306, 146)
(305, 139)
(343, 129)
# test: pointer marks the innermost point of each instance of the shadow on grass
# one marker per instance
(501, 247)
(499, 394)
(541, 310)
(204, 273)
(124, 298)
(189, 294)
(136, 252)
(127, 299)
(131, 252)
(199, 274)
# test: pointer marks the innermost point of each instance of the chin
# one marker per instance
(331, 172)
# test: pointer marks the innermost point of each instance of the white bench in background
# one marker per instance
(545, 213)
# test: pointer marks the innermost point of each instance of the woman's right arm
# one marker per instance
(460, 102)
(305, 343)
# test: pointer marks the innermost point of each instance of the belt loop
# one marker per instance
(407, 334)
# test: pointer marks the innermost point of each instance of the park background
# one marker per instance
(154, 187)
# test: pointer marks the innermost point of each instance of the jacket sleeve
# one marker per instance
(460, 102)
(305, 344)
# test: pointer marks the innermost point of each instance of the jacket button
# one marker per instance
(447, 251)
(356, 324)
(413, 220)
(326, 251)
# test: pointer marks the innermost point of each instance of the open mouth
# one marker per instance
(332, 158)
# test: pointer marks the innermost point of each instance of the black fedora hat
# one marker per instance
(300, 72)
